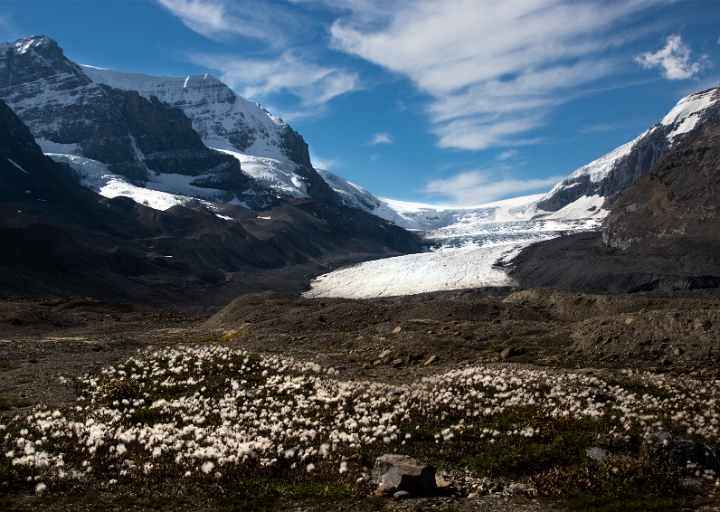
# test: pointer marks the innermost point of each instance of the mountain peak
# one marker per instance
(24, 44)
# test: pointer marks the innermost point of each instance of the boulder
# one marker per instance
(405, 474)
(684, 452)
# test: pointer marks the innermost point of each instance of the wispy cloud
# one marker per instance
(380, 138)
(324, 163)
(495, 68)
(276, 69)
(312, 83)
(507, 154)
(602, 127)
(256, 19)
(673, 60)
(477, 187)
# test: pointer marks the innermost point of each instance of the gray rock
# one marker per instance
(511, 352)
(397, 363)
(597, 454)
(684, 451)
(516, 488)
(406, 474)
(401, 495)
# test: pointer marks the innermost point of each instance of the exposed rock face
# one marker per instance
(69, 113)
(610, 175)
(226, 121)
(223, 119)
(678, 202)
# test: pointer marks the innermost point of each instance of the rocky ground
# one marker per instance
(45, 346)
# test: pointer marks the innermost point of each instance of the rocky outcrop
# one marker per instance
(684, 453)
(677, 203)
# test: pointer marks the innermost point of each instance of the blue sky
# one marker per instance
(446, 102)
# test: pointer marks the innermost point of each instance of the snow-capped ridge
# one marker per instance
(223, 118)
(611, 174)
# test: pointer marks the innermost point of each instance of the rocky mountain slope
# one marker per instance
(678, 202)
(156, 132)
(661, 235)
(62, 239)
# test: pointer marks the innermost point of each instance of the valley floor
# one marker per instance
(496, 387)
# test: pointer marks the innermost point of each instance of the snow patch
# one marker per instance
(277, 175)
(588, 207)
(692, 104)
(597, 169)
(49, 146)
(16, 165)
(688, 112)
(96, 176)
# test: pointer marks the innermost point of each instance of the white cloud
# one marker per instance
(673, 60)
(279, 70)
(381, 138)
(324, 163)
(312, 83)
(493, 68)
(205, 17)
(507, 154)
(255, 19)
(477, 187)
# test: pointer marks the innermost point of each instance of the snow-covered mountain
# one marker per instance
(268, 149)
(224, 119)
(146, 138)
(130, 123)
(579, 202)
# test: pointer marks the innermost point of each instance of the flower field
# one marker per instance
(214, 417)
